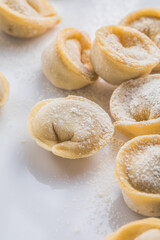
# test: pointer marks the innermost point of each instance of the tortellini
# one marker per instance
(66, 62)
(138, 174)
(135, 105)
(146, 21)
(27, 18)
(4, 90)
(121, 53)
(146, 229)
(72, 127)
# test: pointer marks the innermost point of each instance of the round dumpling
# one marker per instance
(72, 127)
(27, 18)
(146, 21)
(138, 174)
(66, 62)
(135, 105)
(121, 53)
(4, 90)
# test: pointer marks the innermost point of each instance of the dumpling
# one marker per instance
(27, 18)
(146, 21)
(4, 90)
(138, 174)
(66, 62)
(146, 229)
(135, 105)
(121, 53)
(72, 127)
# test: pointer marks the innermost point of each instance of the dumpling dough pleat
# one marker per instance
(27, 18)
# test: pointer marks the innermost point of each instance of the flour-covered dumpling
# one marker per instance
(121, 53)
(4, 90)
(138, 174)
(135, 105)
(143, 168)
(66, 62)
(72, 127)
(27, 18)
(146, 229)
(146, 21)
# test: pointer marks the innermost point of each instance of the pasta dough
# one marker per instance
(121, 53)
(27, 18)
(4, 90)
(135, 105)
(146, 21)
(66, 62)
(146, 229)
(138, 174)
(71, 127)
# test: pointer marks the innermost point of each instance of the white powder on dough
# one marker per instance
(143, 167)
(130, 48)
(150, 26)
(21, 6)
(137, 100)
(134, 50)
(30, 8)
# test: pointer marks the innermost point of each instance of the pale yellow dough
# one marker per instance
(135, 105)
(146, 229)
(138, 174)
(4, 90)
(66, 62)
(27, 18)
(71, 127)
(146, 21)
(121, 53)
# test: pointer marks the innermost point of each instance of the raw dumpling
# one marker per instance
(146, 21)
(135, 105)
(121, 53)
(72, 127)
(138, 174)
(4, 90)
(27, 18)
(146, 229)
(66, 62)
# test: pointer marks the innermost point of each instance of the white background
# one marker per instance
(44, 197)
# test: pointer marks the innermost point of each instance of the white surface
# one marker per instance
(43, 197)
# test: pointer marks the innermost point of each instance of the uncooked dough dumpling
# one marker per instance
(121, 53)
(27, 18)
(66, 62)
(138, 174)
(72, 127)
(135, 105)
(4, 90)
(146, 21)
